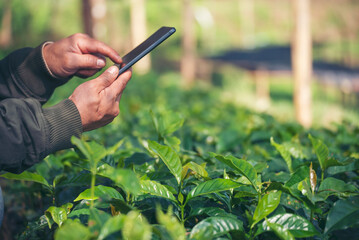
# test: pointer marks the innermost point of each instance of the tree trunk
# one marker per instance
(188, 61)
(5, 33)
(94, 18)
(302, 62)
(139, 33)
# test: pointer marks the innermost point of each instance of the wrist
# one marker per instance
(45, 57)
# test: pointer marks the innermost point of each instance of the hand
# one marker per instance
(98, 100)
(78, 55)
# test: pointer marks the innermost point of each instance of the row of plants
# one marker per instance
(186, 165)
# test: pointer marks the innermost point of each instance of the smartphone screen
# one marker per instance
(145, 47)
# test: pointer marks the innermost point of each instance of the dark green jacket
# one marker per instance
(28, 132)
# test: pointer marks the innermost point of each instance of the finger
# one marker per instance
(89, 61)
(89, 45)
(119, 85)
(107, 78)
(85, 73)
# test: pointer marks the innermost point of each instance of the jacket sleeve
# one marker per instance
(23, 74)
(28, 132)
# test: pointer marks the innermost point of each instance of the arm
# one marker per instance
(35, 73)
(23, 74)
(29, 132)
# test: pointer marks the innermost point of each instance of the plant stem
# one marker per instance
(182, 214)
(322, 176)
(93, 180)
(311, 216)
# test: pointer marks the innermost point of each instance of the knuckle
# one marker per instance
(79, 35)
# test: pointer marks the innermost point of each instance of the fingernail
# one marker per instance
(100, 63)
(112, 69)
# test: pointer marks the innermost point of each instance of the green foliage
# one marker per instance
(214, 166)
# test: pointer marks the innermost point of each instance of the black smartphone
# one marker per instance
(145, 47)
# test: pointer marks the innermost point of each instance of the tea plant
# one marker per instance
(196, 174)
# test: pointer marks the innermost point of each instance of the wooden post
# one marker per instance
(302, 62)
(5, 33)
(139, 33)
(262, 89)
(188, 61)
(86, 17)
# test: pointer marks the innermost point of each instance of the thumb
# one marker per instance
(107, 77)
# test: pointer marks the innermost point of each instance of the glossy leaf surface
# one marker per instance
(284, 152)
(267, 204)
(215, 227)
(343, 214)
(212, 186)
(298, 226)
(26, 176)
(100, 191)
(241, 166)
(169, 157)
(156, 189)
(280, 231)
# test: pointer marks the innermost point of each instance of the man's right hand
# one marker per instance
(98, 100)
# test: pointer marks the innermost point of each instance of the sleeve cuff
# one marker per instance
(63, 121)
(35, 77)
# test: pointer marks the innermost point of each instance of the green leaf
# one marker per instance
(343, 215)
(136, 227)
(169, 157)
(100, 192)
(299, 175)
(305, 189)
(333, 186)
(173, 142)
(123, 178)
(204, 230)
(321, 150)
(112, 225)
(284, 152)
(93, 151)
(280, 231)
(27, 176)
(156, 189)
(167, 123)
(78, 212)
(241, 166)
(97, 219)
(210, 212)
(112, 150)
(73, 230)
(267, 204)
(298, 226)
(212, 186)
(215, 227)
(57, 214)
(194, 167)
(174, 228)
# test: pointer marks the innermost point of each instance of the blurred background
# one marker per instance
(296, 60)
